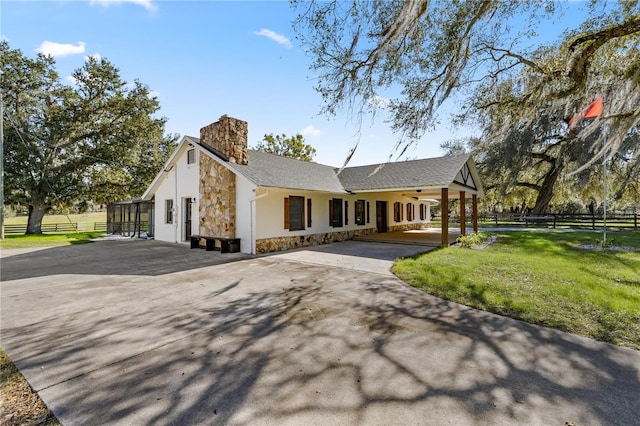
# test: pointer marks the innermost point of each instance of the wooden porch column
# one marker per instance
(444, 204)
(474, 204)
(463, 218)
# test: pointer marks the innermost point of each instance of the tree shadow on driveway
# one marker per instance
(272, 341)
(107, 257)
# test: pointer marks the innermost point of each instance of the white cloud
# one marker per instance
(147, 4)
(71, 79)
(310, 131)
(278, 38)
(4, 38)
(380, 102)
(52, 48)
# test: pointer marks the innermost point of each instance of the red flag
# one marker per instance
(592, 111)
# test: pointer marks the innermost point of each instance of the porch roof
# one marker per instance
(425, 173)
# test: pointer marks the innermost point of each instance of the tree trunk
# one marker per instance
(546, 190)
(36, 213)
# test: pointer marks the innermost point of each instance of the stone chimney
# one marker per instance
(227, 138)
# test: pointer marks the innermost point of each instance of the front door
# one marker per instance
(381, 216)
(187, 218)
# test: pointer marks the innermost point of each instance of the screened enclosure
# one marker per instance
(132, 218)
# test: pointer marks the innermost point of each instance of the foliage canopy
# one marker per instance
(96, 139)
(484, 53)
(292, 147)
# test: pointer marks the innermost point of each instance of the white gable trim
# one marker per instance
(183, 146)
(148, 194)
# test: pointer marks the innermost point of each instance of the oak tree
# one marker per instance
(94, 139)
(485, 53)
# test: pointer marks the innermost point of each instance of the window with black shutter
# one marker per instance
(294, 213)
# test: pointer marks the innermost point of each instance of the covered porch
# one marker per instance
(430, 237)
(435, 180)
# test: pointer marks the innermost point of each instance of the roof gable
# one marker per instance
(465, 178)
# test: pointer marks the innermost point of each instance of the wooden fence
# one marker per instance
(557, 220)
(59, 227)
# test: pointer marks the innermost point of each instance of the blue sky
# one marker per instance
(204, 59)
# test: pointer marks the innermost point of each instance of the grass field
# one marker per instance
(542, 278)
(12, 241)
(60, 218)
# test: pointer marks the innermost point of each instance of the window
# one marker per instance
(423, 212)
(335, 212)
(191, 156)
(411, 212)
(168, 211)
(294, 213)
(360, 212)
(397, 212)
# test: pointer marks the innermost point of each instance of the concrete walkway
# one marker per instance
(144, 332)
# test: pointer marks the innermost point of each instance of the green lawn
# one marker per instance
(542, 278)
(47, 240)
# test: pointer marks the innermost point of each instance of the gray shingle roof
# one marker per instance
(427, 172)
(275, 171)
(281, 172)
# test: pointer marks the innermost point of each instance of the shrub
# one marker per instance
(473, 239)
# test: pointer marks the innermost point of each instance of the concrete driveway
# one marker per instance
(144, 332)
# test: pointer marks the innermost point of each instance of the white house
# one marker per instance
(216, 186)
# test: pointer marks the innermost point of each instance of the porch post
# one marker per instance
(444, 207)
(474, 204)
(463, 219)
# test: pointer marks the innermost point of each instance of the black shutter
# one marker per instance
(346, 212)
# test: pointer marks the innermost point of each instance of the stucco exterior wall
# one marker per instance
(179, 183)
(245, 213)
(271, 235)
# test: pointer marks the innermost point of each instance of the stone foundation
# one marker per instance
(217, 208)
(408, 227)
(267, 245)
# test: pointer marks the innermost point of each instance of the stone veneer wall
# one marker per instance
(217, 208)
(408, 227)
(227, 136)
(267, 245)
